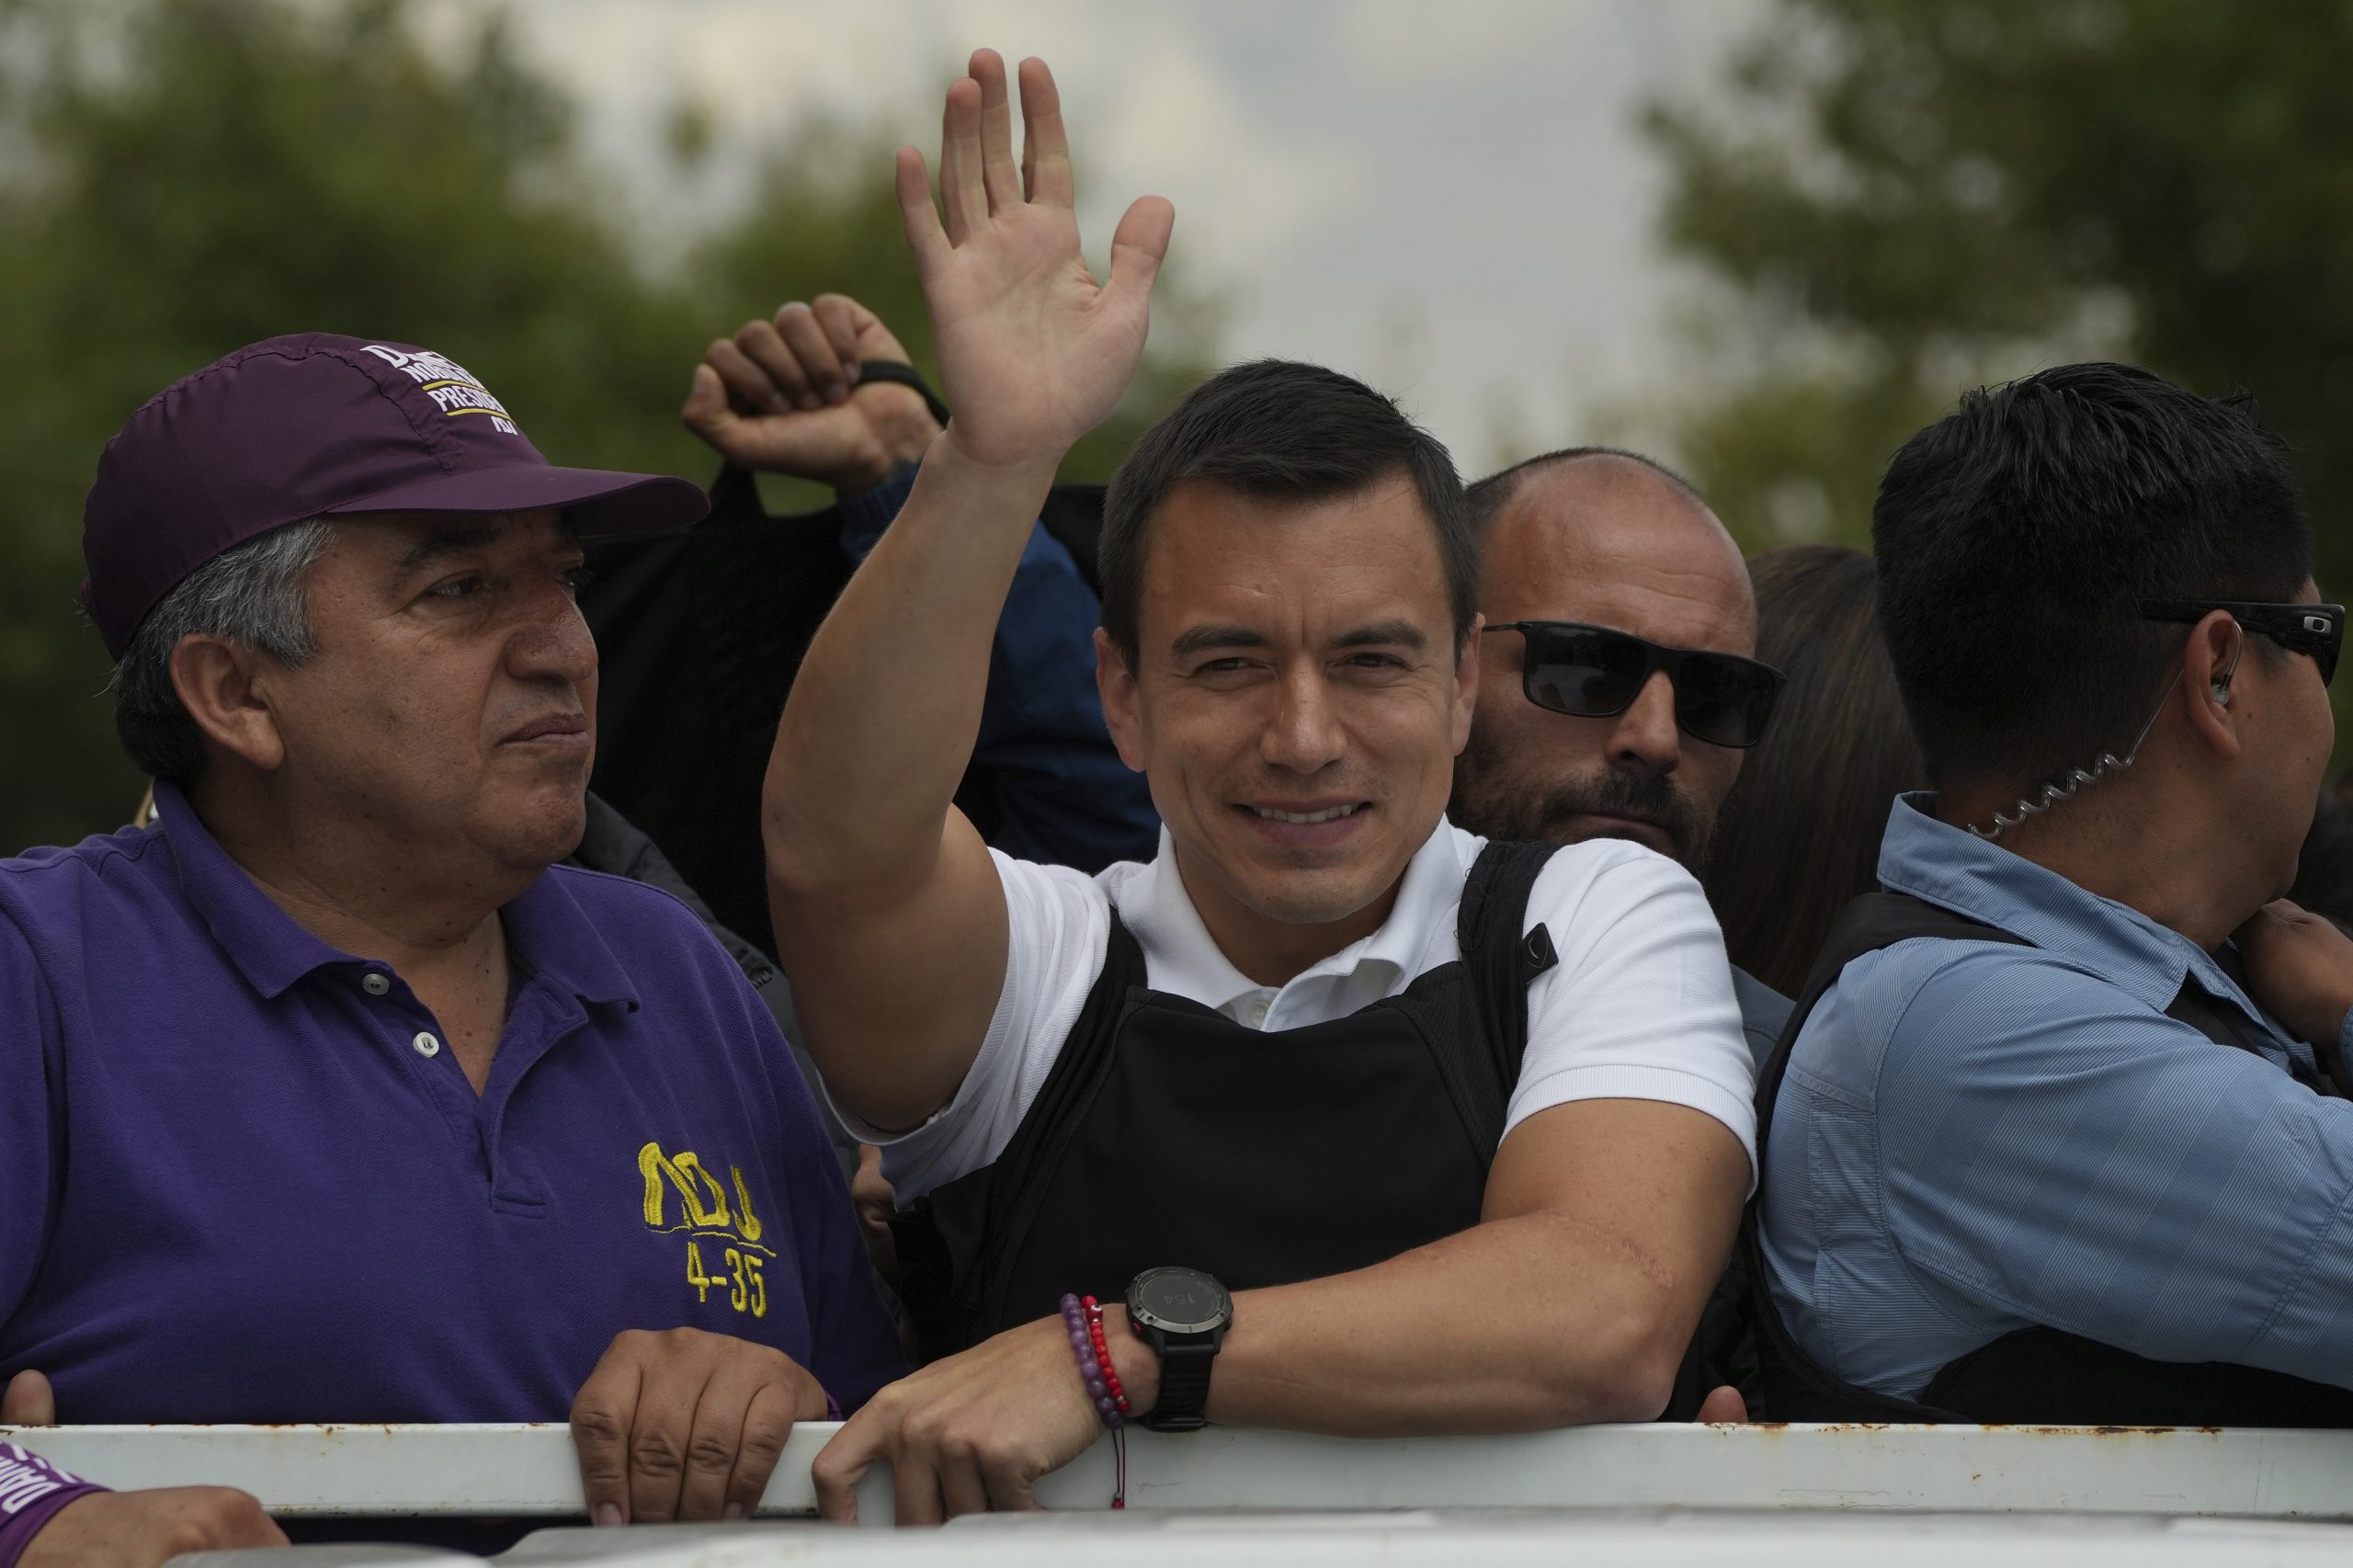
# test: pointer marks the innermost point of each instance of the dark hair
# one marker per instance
(1488, 496)
(1279, 428)
(1799, 831)
(2016, 536)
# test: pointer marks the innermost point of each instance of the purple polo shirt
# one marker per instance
(241, 1179)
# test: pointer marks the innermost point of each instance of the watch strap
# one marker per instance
(1184, 1385)
(905, 375)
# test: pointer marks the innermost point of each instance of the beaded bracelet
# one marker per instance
(1083, 1319)
(1094, 1310)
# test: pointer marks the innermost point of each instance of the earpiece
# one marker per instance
(2222, 686)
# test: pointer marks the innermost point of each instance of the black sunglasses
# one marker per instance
(2317, 630)
(1595, 672)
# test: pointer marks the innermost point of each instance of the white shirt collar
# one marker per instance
(1182, 958)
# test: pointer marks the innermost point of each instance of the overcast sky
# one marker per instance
(1447, 198)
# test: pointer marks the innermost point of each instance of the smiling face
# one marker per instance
(1296, 703)
(1607, 542)
(451, 704)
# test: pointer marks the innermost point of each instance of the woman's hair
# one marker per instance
(1799, 831)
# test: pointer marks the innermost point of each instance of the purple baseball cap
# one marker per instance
(319, 425)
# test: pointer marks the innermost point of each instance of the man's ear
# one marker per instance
(1466, 684)
(1116, 684)
(2210, 663)
(216, 680)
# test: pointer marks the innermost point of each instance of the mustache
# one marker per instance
(1628, 792)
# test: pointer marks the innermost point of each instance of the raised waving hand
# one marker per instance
(867, 858)
(1033, 352)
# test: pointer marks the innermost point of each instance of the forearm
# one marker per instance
(1518, 1324)
(883, 714)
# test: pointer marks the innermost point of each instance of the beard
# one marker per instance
(1491, 803)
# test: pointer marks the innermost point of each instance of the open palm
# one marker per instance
(1033, 352)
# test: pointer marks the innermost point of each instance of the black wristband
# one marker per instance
(904, 375)
(1184, 1388)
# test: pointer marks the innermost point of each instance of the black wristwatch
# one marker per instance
(1183, 1315)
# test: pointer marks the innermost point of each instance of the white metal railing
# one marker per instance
(528, 1471)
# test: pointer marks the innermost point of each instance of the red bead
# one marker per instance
(1093, 1310)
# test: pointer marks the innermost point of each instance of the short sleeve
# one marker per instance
(32, 1493)
(1058, 924)
(1641, 1004)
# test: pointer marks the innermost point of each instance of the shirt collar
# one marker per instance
(1953, 868)
(546, 928)
(1187, 960)
(558, 942)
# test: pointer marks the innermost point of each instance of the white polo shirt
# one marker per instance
(1639, 1007)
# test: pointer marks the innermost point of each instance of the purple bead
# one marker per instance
(1094, 1370)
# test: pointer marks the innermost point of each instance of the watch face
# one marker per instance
(1181, 1301)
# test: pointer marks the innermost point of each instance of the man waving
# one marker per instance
(1358, 1123)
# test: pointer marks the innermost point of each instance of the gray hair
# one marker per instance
(251, 592)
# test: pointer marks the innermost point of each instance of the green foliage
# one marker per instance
(178, 178)
(1905, 197)
(1908, 196)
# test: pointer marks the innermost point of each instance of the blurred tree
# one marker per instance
(1905, 197)
(181, 177)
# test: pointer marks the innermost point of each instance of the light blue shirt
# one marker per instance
(1763, 1011)
(1974, 1138)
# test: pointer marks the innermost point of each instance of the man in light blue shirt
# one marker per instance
(2092, 1104)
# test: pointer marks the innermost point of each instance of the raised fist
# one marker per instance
(785, 395)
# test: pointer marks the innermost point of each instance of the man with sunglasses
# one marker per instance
(2057, 1138)
(1346, 1120)
(1619, 689)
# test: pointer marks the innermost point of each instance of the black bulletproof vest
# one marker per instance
(1167, 1133)
(2039, 1376)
